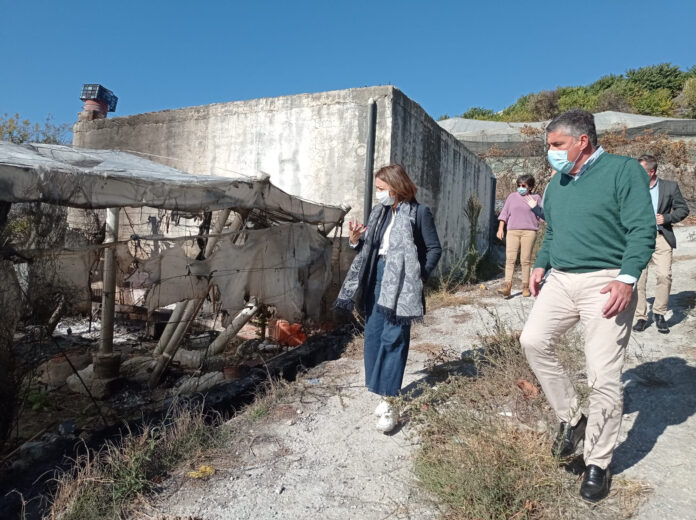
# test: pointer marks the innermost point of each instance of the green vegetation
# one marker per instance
(18, 130)
(656, 90)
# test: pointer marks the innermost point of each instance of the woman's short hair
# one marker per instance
(400, 183)
(528, 180)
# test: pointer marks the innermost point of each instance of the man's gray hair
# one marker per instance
(576, 123)
(650, 161)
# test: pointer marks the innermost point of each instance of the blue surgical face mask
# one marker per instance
(558, 159)
(522, 191)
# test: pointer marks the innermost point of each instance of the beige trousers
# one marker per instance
(519, 241)
(662, 258)
(565, 299)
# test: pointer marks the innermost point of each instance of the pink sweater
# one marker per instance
(517, 214)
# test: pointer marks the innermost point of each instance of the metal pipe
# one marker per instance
(109, 280)
(241, 319)
(192, 307)
(174, 320)
(370, 156)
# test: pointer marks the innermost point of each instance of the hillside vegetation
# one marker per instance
(655, 90)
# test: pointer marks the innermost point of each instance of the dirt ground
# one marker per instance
(318, 455)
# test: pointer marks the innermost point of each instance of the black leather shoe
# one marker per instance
(568, 438)
(595, 484)
(661, 324)
(640, 325)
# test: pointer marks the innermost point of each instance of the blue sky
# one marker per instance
(446, 55)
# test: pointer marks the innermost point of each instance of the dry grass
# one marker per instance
(485, 441)
(443, 298)
(106, 484)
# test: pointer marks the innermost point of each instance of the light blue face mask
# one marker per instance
(558, 159)
(522, 191)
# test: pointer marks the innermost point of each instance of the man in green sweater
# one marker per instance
(600, 235)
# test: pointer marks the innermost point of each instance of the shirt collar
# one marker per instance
(657, 181)
(599, 151)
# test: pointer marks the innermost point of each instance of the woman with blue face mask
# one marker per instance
(397, 251)
(522, 223)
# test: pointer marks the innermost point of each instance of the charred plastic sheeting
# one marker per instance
(286, 266)
(94, 179)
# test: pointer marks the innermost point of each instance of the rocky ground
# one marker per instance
(317, 453)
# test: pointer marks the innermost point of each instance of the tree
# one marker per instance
(689, 94)
(18, 130)
(605, 83)
(479, 113)
(662, 76)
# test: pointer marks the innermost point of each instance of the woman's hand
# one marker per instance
(530, 201)
(356, 230)
(501, 233)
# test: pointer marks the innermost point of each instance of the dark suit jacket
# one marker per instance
(671, 205)
(424, 235)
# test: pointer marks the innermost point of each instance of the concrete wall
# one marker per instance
(445, 171)
(313, 146)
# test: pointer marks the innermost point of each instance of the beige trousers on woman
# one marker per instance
(565, 299)
(519, 241)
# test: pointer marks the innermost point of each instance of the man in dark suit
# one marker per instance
(670, 208)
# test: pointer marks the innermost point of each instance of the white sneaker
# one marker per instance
(382, 407)
(388, 421)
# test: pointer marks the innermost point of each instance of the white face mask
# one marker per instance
(384, 198)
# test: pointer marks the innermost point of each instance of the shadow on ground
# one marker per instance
(663, 393)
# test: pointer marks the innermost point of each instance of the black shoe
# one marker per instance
(568, 438)
(595, 484)
(661, 324)
(640, 325)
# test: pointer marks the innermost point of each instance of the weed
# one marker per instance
(442, 298)
(103, 484)
(485, 438)
(462, 268)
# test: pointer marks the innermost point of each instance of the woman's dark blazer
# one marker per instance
(424, 235)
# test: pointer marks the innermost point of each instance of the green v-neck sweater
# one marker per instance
(603, 220)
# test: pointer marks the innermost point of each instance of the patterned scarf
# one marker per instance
(400, 297)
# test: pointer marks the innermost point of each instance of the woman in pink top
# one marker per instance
(522, 224)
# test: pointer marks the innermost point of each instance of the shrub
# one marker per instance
(544, 105)
(654, 102)
(479, 113)
(689, 93)
(577, 97)
(519, 111)
(656, 77)
(614, 98)
(605, 83)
